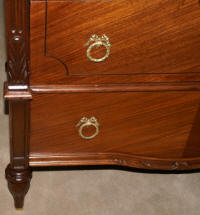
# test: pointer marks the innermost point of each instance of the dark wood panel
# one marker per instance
(161, 125)
(157, 38)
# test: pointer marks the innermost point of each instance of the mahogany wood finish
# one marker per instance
(154, 125)
(17, 32)
(145, 95)
(16, 94)
(141, 87)
(18, 184)
(153, 41)
(119, 159)
(18, 172)
(16, 90)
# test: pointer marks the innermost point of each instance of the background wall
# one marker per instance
(96, 192)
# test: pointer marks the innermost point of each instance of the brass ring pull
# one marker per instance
(85, 123)
(98, 41)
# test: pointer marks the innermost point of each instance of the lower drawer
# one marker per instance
(154, 125)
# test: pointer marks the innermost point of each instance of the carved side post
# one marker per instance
(16, 91)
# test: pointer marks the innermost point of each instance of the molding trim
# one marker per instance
(16, 94)
(119, 159)
(137, 87)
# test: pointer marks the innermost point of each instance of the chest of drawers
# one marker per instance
(102, 83)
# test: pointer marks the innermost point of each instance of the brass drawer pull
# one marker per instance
(85, 122)
(98, 41)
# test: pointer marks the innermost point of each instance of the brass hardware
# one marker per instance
(85, 123)
(179, 164)
(146, 164)
(98, 41)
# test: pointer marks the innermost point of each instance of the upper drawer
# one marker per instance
(151, 38)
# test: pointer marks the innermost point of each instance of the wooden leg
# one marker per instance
(18, 184)
(17, 92)
(18, 172)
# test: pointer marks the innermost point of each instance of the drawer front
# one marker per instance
(76, 41)
(151, 124)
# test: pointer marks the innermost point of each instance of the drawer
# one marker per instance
(114, 41)
(145, 124)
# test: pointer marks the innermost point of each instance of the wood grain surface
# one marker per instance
(145, 95)
(152, 41)
(162, 125)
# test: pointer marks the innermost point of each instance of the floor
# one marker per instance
(96, 192)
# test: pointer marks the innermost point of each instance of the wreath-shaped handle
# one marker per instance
(97, 42)
(85, 122)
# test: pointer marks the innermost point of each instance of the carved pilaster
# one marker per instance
(17, 29)
(17, 92)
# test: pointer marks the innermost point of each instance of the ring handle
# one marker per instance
(97, 42)
(85, 122)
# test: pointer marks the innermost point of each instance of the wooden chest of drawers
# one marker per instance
(102, 82)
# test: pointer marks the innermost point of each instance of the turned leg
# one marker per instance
(18, 184)
(18, 95)
(18, 172)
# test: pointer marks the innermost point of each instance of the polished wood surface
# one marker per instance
(16, 91)
(119, 159)
(16, 94)
(17, 36)
(18, 173)
(152, 41)
(137, 87)
(163, 125)
(18, 183)
(145, 95)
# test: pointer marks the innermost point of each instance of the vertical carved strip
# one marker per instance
(18, 173)
(17, 22)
